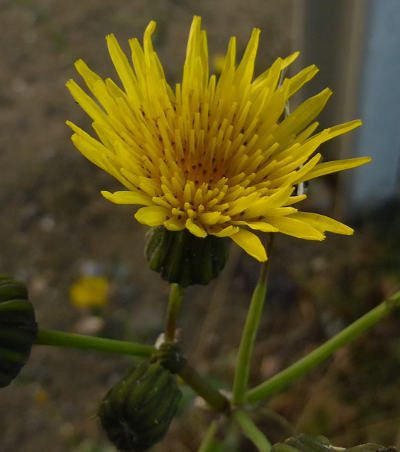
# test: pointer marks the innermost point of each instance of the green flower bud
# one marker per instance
(18, 328)
(137, 411)
(170, 356)
(182, 258)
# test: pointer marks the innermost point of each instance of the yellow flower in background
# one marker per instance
(219, 62)
(89, 291)
(212, 155)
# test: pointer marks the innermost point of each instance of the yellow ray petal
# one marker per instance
(295, 228)
(225, 232)
(210, 217)
(303, 115)
(195, 229)
(295, 199)
(173, 224)
(301, 78)
(333, 167)
(86, 102)
(289, 60)
(251, 244)
(323, 223)
(262, 206)
(245, 69)
(257, 225)
(152, 215)
(122, 66)
(127, 197)
(87, 74)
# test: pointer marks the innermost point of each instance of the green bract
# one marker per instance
(183, 258)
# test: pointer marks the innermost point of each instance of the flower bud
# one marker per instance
(182, 258)
(137, 411)
(18, 328)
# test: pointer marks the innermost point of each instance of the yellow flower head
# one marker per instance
(89, 291)
(212, 155)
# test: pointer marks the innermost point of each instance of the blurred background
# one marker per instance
(57, 230)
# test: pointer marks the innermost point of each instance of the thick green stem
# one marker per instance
(253, 433)
(248, 338)
(79, 341)
(301, 367)
(175, 300)
(211, 395)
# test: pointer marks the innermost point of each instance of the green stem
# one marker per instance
(251, 431)
(248, 338)
(175, 300)
(59, 339)
(211, 395)
(69, 340)
(208, 443)
(301, 367)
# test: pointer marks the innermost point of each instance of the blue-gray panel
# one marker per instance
(379, 107)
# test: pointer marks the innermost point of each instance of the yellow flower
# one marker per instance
(219, 62)
(89, 291)
(212, 155)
